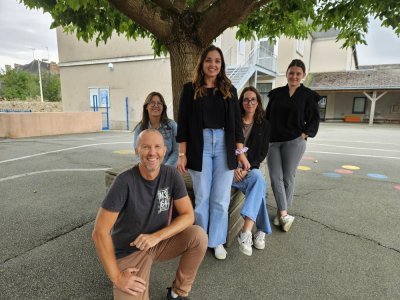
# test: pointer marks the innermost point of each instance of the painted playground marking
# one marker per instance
(349, 154)
(60, 150)
(50, 171)
(377, 176)
(350, 167)
(332, 175)
(343, 171)
(357, 148)
(308, 158)
(124, 152)
(303, 168)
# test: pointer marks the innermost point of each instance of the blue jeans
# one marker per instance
(212, 188)
(255, 205)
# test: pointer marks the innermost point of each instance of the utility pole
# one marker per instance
(40, 82)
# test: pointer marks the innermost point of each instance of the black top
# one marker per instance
(290, 116)
(190, 127)
(143, 205)
(213, 110)
(258, 143)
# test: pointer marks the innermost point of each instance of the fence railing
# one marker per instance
(259, 56)
(6, 110)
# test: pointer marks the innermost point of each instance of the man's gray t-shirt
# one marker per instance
(143, 205)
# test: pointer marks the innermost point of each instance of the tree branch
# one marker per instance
(201, 5)
(238, 11)
(180, 5)
(146, 15)
(165, 5)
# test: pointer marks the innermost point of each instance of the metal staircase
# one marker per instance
(259, 60)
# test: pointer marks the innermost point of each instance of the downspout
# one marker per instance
(309, 58)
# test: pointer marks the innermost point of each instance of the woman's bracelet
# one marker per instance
(241, 150)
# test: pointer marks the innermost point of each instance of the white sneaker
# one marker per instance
(245, 242)
(220, 252)
(275, 221)
(286, 222)
(259, 240)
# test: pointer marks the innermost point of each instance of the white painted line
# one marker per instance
(61, 150)
(349, 154)
(50, 171)
(347, 141)
(103, 137)
(358, 148)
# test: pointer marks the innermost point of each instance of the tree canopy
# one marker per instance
(185, 27)
(23, 85)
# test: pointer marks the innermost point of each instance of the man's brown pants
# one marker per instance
(190, 244)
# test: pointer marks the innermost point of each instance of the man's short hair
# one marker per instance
(139, 140)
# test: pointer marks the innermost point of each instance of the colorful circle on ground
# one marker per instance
(350, 167)
(343, 171)
(397, 187)
(308, 158)
(303, 168)
(377, 176)
(332, 175)
(124, 152)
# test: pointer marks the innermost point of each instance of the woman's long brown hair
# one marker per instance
(145, 114)
(223, 83)
(259, 113)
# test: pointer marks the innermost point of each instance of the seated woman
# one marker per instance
(252, 182)
(155, 116)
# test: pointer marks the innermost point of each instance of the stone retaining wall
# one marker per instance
(35, 106)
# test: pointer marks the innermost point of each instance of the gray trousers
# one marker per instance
(283, 159)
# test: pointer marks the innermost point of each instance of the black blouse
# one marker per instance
(289, 116)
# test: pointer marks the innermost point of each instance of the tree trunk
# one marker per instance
(183, 57)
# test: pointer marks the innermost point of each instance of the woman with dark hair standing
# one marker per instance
(210, 141)
(154, 115)
(294, 116)
(252, 182)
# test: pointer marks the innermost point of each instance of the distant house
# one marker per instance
(116, 77)
(369, 94)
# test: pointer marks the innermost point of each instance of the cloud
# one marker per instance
(383, 46)
(21, 30)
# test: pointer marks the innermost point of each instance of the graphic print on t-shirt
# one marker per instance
(163, 199)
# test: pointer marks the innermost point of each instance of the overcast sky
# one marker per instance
(22, 30)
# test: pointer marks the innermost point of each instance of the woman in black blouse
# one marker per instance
(294, 116)
(210, 141)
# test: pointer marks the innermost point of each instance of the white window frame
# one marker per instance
(102, 95)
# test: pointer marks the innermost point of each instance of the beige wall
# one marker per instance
(327, 56)
(134, 80)
(287, 48)
(229, 46)
(384, 105)
(70, 49)
(18, 125)
(330, 107)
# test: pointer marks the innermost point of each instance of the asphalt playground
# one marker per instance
(344, 244)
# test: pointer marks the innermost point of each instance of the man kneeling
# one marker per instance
(133, 227)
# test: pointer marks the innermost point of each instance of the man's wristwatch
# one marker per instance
(181, 154)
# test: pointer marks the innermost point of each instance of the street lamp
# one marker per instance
(40, 75)
(40, 78)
